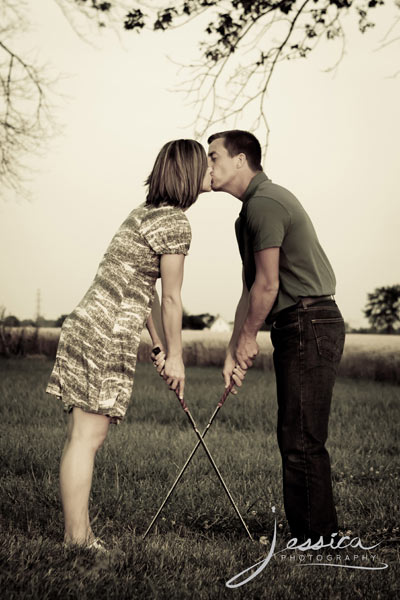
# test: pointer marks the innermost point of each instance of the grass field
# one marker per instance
(198, 544)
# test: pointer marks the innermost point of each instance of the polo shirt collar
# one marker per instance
(253, 185)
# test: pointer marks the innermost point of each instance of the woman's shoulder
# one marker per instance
(147, 212)
(164, 216)
(167, 230)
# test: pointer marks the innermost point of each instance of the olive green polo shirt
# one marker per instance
(271, 216)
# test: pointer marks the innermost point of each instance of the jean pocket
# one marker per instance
(285, 326)
(283, 333)
(329, 336)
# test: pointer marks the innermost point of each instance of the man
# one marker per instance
(288, 281)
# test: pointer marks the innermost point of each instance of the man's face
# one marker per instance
(223, 166)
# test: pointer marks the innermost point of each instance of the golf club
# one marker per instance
(200, 441)
(185, 466)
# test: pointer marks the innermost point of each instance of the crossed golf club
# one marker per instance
(210, 458)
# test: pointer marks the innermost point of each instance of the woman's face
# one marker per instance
(206, 186)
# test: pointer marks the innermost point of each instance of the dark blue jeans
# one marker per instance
(308, 344)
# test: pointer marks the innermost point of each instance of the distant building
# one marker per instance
(220, 325)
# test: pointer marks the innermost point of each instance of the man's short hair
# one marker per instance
(177, 175)
(237, 141)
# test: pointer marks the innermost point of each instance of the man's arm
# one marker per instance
(262, 297)
(240, 316)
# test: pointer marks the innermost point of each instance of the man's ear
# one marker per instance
(240, 160)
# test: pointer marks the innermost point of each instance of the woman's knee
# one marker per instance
(88, 428)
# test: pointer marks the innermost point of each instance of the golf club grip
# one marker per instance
(226, 393)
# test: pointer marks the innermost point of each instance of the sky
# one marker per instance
(333, 143)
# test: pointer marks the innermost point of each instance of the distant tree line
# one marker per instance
(382, 311)
(199, 322)
(13, 321)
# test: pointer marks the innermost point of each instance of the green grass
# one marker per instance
(198, 544)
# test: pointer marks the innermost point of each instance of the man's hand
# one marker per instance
(232, 370)
(246, 350)
(174, 374)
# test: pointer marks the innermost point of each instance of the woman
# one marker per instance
(96, 357)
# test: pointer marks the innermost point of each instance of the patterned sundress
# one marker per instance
(96, 356)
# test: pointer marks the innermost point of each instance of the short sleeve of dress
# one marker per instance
(168, 232)
(267, 221)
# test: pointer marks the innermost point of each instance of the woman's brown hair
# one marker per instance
(177, 174)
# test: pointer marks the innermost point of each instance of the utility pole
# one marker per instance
(38, 307)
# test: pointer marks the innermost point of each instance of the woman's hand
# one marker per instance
(158, 358)
(174, 374)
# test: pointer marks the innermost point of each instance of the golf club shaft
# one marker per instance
(185, 466)
(202, 442)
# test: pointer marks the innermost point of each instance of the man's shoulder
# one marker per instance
(270, 196)
(269, 199)
(274, 191)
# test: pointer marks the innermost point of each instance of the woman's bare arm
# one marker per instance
(171, 267)
(156, 331)
(154, 324)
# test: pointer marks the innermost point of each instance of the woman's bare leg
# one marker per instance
(86, 433)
